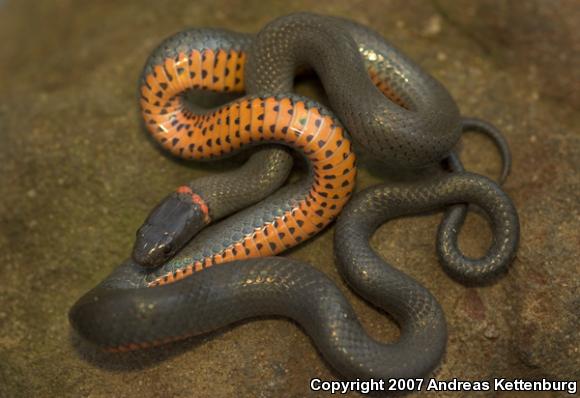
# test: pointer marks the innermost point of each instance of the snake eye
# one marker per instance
(167, 249)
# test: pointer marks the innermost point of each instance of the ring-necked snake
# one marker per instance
(418, 125)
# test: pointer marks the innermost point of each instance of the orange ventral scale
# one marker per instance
(293, 121)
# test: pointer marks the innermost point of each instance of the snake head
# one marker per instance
(173, 223)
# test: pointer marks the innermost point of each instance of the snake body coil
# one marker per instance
(418, 126)
(393, 110)
(122, 313)
(288, 217)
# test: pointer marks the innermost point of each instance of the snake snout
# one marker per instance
(152, 247)
(173, 223)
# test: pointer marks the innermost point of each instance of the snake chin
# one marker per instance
(167, 229)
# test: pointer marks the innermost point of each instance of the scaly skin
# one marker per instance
(122, 314)
(419, 125)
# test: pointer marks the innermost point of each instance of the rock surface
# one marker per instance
(79, 175)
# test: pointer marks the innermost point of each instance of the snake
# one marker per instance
(416, 124)
(158, 295)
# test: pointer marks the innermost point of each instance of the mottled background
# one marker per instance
(78, 176)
